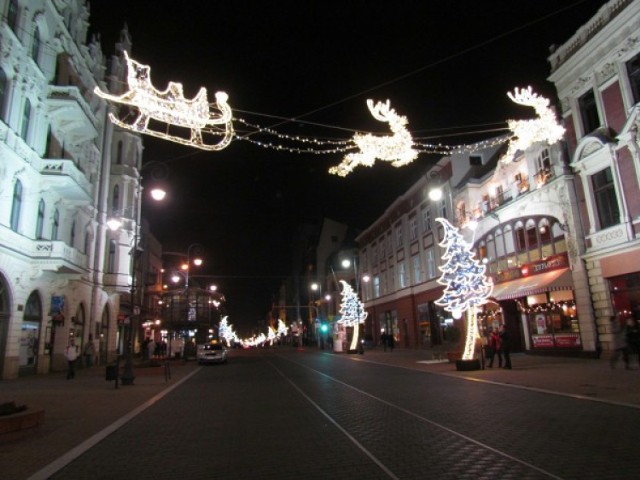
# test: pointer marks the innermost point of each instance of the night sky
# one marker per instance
(446, 65)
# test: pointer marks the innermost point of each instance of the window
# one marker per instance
(543, 161)
(119, 153)
(383, 254)
(376, 287)
(431, 264)
(426, 220)
(520, 238)
(402, 275)
(35, 46)
(111, 258)
(588, 112)
(413, 229)
(604, 193)
(40, 220)
(115, 200)
(633, 71)
(443, 208)
(12, 16)
(417, 270)
(87, 238)
(72, 234)
(55, 225)
(4, 85)
(399, 237)
(16, 206)
(26, 119)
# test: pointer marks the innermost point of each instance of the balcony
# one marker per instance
(66, 179)
(71, 113)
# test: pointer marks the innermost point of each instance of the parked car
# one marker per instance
(212, 353)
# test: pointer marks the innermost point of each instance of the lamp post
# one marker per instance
(114, 223)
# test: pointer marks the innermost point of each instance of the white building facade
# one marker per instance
(597, 77)
(63, 171)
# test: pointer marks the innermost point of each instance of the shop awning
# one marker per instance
(543, 282)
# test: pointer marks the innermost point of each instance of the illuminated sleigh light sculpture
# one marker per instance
(170, 107)
(396, 148)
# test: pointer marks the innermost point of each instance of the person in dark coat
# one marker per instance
(505, 345)
(633, 338)
(494, 348)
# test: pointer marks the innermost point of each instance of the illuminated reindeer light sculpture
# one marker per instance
(170, 107)
(396, 148)
(545, 128)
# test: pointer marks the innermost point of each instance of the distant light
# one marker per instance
(213, 288)
(197, 262)
(346, 263)
(366, 278)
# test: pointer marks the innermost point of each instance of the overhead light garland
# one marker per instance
(466, 285)
(397, 148)
(173, 109)
(209, 126)
(544, 128)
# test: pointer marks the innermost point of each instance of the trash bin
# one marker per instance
(111, 374)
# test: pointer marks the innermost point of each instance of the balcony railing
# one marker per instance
(66, 178)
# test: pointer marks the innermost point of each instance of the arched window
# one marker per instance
(4, 87)
(40, 220)
(55, 225)
(35, 46)
(12, 16)
(115, 200)
(26, 120)
(119, 153)
(546, 242)
(532, 240)
(111, 259)
(16, 206)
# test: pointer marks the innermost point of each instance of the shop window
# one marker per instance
(625, 296)
(604, 193)
(588, 112)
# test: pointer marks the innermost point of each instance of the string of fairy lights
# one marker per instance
(209, 126)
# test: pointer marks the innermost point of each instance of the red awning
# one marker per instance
(543, 282)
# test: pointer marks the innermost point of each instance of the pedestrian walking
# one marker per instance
(383, 340)
(71, 354)
(391, 342)
(619, 344)
(89, 352)
(494, 348)
(505, 345)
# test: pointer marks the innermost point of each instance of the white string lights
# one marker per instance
(173, 109)
(396, 148)
(209, 126)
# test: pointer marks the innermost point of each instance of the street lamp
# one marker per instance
(114, 223)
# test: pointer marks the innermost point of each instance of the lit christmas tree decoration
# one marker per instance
(545, 128)
(352, 312)
(466, 285)
(396, 148)
(172, 108)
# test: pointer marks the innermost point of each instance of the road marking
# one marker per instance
(74, 453)
(337, 425)
(426, 420)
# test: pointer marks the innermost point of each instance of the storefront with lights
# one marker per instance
(542, 294)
